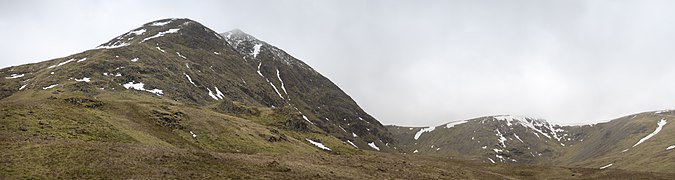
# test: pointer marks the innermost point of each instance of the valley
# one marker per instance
(175, 99)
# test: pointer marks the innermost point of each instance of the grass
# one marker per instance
(78, 131)
(123, 139)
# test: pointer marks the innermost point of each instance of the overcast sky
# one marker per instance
(415, 63)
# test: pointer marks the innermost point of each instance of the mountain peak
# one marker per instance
(237, 37)
(167, 30)
(167, 21)
(252, 48)
(236, 31)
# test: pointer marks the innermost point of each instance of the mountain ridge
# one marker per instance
(496, 139)
(175, 99)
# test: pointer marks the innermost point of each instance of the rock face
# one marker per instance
(234, 73)
(524, 140)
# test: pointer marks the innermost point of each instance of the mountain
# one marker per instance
(640, 141)
(488, 139)
(173, 99)
(311, 94)
(184, 61)
(624, 143)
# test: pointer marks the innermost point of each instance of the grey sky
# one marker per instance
(414, 63)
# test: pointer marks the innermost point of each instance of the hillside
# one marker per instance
(635, 142)
(183, 61)
(175, 99)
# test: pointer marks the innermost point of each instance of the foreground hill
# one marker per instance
(640, 142)
(184, 62)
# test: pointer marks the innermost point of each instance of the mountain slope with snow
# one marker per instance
(182, 60)
(635, 142)
(173, 99)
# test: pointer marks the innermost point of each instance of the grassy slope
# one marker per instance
(605, 144)
(122, 134)
(591, 147)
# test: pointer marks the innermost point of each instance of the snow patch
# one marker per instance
(117, 44)
(508, 119)
(134, 60)
(180, 55)
(161, 23)
(134, 85)
(670, 147)
(517, 137)
(83, 59)
(49, 87)
(157, 92)
(61, 64)
(275, 89)
(14, 76)
(160, 49)
(86, 79)
(219, 94)
(217, 53)
(353, 134)
(256, 50)
(372, 144)
(190, 79)
(140, 87)
(259, 73)
(211, 94)
(423, 130)
(453, 124)
(318, 144)
(307, 119)
(606, 166)
(23, 87)
(660, 125)
(193, 134)
(160, 34)
(493, 161)
(138, 32)
(282, 82)
(501, 138)
(351, 143)
(500, 157)
(533, 124)
(343, 129)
